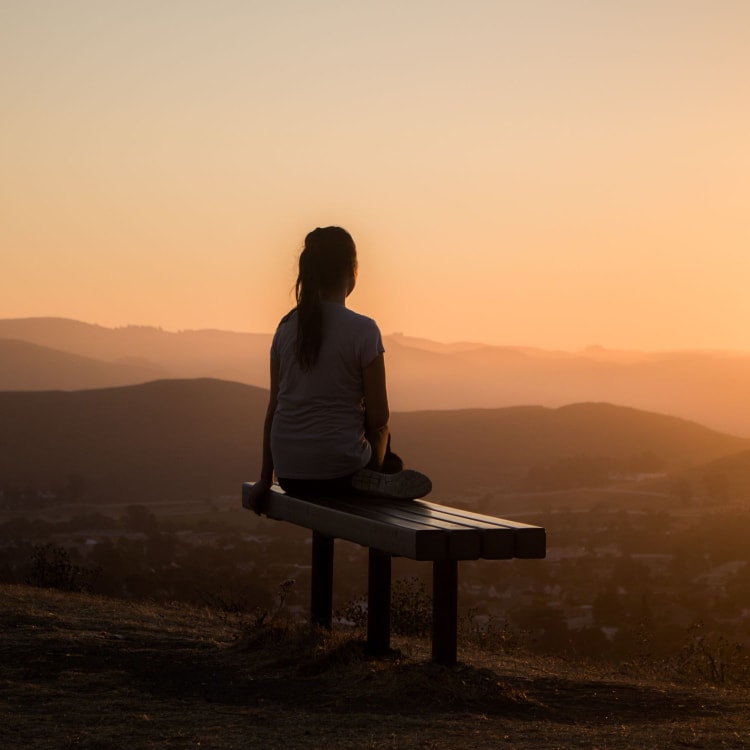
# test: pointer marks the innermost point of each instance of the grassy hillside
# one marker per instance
(86, 672)
(194, 438)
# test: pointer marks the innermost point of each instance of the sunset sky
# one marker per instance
(552, 173)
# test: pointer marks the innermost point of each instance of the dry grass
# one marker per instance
(84, 672)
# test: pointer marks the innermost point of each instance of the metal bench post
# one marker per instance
(444, 611)
(321, 585)
(379, 602)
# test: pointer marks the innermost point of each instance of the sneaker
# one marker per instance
(403, 485)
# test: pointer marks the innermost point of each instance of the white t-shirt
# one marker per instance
(318, 429)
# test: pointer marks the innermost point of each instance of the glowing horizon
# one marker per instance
(516, 174)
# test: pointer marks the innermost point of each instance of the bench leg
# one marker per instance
(321, 585)
(444, 611)
(379, 603)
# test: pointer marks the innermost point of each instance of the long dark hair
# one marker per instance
(327, 260)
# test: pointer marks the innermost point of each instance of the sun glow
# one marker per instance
(582, 180)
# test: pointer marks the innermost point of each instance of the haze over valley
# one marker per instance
(708, 387)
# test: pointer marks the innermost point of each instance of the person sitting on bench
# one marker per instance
(326, 427)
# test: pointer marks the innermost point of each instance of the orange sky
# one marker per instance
(536, 172)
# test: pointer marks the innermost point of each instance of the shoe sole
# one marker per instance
(404, 485)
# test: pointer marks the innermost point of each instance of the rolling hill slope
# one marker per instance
(194, 438)
(138, 443)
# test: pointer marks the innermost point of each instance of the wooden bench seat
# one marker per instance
(414, 529)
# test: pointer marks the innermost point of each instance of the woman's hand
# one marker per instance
(254, 499)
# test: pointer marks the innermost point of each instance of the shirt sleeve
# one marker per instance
(276, 344)
(371, 343)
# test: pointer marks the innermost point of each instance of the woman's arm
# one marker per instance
(262, 486)
(376, 410)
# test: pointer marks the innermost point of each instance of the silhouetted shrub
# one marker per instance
(411, 607)
(490, 633)
(51, 568)
(712, 657)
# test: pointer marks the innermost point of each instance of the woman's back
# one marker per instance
(318, 430)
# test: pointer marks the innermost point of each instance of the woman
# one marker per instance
(326, 427)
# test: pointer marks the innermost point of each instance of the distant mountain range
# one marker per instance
(195, 438)
(709, 387)
(133, 354)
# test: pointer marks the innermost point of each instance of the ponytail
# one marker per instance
(309, 313)
(328, 257)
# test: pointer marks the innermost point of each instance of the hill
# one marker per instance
(159, 440)
(195, 438)
(86, 672)
(460, 446)
(733, 472)
(30, 367)
(242, 357)
(709, 387)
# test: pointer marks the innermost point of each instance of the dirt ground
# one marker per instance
(85, 672)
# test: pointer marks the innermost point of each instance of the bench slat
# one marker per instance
(464, 541)
(417, 542)
(530, 542)
(497, 540)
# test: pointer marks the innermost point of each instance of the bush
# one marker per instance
(411, 609)
(51, 568)
(711, 657)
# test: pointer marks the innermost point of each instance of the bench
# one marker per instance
(415, 529)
